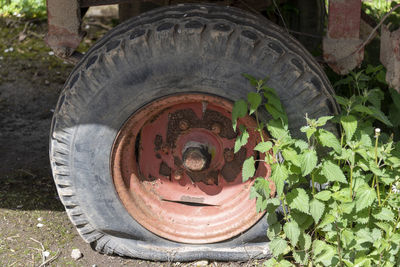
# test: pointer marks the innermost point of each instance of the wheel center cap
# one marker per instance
(196, 157)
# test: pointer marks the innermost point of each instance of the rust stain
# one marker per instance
(341, 46)
(233, 168)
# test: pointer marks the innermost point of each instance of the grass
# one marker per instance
(23, 8)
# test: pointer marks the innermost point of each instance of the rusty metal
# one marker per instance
(216, 128)
(229, 155)
(390, 56)
(183, 125)
(342, 47)
(196, 158)
(180, 204)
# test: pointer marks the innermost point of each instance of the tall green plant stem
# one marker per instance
(351, 181)
(283, 199)
(388, 195)
(339, 248)
(258, 127)
(341, 144)
(376, 161)
(313, 183)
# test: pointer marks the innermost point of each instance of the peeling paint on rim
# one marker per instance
(170, 200)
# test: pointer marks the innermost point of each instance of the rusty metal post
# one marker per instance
(64, 21)
(342, 44)
(390, 56)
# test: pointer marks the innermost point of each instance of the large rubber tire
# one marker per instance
(179, 49)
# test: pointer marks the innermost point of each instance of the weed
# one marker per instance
(336, 203)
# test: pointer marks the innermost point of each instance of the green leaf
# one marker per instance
(276, 114)
(342, 101)
(365, 196)
(363, 109)
(255, 100)
(263, 147)
(332, 172)
(308, 130)
(305, 241)
(379, 115)
(375, 97)
(323, 120)
(291, 155)
(347, 207)
(301, 144)
(363, 262)
(308, 161)
(374, 168)
(395, 97)
(274, 230)
(277, 129)
(324, 195)
(364, 236)
(261, 204)
(343, 195)
(303, 220)
(328, 219)
(298, 199)
(253, 81)
(323, 252)
(241, 140)
(328, 139)
(365, 140)
(278, 176)
(384, 226)
(278, 246)
(385, 214)
(317, 208)
(239, 111)
(248, 169)
(348, 238)
(362, 217)
(292, 231)
(349, 124)
(301, 257)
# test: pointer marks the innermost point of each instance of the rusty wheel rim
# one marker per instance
(175, 172)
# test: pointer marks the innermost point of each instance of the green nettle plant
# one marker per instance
(337, 199)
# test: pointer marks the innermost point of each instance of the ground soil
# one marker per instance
(32, 218)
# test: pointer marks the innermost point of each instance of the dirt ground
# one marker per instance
(33, 222)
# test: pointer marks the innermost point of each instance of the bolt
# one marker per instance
(178, 175)
(216, 128)
(183, 125)
(196, 159)
(229, 155)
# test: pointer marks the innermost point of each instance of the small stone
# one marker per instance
(46, 82)
(46, 254)
(39, 225)
(76, 254)
(20, 206)
(51, 53)
(40, 219)
(200, 263)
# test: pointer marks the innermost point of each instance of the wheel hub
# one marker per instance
(175, 171)
(196, 157)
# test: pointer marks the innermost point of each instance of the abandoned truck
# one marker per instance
(141, 143)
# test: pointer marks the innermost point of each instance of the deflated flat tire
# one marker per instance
(141, 140)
